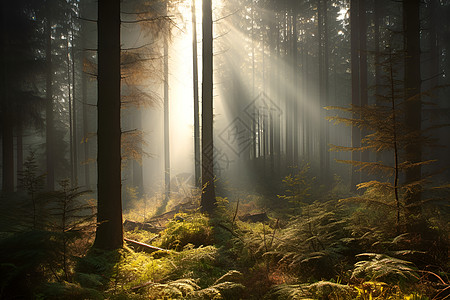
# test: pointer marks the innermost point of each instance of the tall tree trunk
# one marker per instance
(323, 89)
(413, 117)
(74, 108)
(364, 97)
(166, 122)
(197, 162)
(138, 181)
(354, 45)
(295, 85)
(433, 72)
(208, 198)
(49, 115)
(277, 141)
(8, 155)
(289, 96)
(19, 146)
(109, 233)
(84, 99)
(69, 93)
(378, 69)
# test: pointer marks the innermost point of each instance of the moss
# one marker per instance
(186, 229)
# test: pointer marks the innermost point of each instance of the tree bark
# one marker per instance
(49, 115)
(197, 169)
(354, 43)
(208, 198)
(166, 121)
(364, 96)
(19, 146)
(413, 113)
(109, 233)
(8, 155)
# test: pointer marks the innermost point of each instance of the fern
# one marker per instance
(380, 267)
(318, 290)
(313, 242)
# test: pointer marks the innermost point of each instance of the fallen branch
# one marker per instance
(143, 246)
(129, 225)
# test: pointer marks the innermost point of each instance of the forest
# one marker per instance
(225, 149)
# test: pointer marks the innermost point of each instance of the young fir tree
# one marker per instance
(387, 132)
(70, 218)
(32, 183)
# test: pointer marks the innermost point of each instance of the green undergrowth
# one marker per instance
(186, 229)
(327, 250)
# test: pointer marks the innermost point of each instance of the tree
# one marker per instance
(19, 101)
(197, 163)
(354, 41)
(49, 114)
(387, 132)
(413, 114)
(109, 234)
(166, 120)
(208, 199)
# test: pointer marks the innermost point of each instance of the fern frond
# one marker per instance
(379, 267)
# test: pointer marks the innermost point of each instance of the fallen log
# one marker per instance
(138, 246)
(129, 225)
(164, 218)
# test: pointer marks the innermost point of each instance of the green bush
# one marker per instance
(186, 229)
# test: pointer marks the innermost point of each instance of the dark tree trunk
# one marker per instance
(49, 115)
(166, 123)
(354, 45)
(19, 146)
(84, 99)
(295, 84)
(196, 106)
(208, 199)
(109, 233)
(323, 89)
(378, 70)
(434, 72)
(364, 97)
(8, 155)
(413, 117)
(289, 96)
(69, 93)
(136, 165)
(74, 109)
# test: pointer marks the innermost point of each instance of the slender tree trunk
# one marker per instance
(84, 99)
(289, 96)
(433, 73)
(49, 115)
(197, 161)
(413, 117)
(364, 97)
(253, 95)
(208, 199)
(137, 165)
(74, 109)
(323, 89)
(277, 141)
(71, 139)
(109, 233)
(8, 155)
(378, 69)
(166, 122)
(295, 85)
(354, 43)
(326, 159)
(395, 140)
(19, 146)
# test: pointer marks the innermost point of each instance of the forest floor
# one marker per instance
(303, 249)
